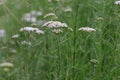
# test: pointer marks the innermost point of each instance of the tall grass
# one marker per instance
(70, 55)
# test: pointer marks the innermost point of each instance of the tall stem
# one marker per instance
(75, 37)
(59, 55)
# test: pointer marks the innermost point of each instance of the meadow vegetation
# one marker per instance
(59, 40)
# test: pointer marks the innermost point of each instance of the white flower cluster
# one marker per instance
(54, 24)
(2, 33)
(68, 9)
(87, 29)
(70, 29)
(32, 16)
(50, 15)
(31, 29)
(53, 0)
(117, 2)
(6, 64)
(15, 36)
(26, 43)
(57, 31)
(28, 29)
(94, 61)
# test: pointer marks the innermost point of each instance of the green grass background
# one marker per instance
(65, 56)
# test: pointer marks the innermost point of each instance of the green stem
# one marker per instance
(75, 38)
(59, 57)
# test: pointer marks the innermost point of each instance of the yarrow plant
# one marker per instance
(26, 43)
(57, 31)
(32, 16)
(70, 29)
(31, 29)
(15, 36)
(68, 9)
(50, 15)
(87, 29)
(117, 2)
(55, 24)
(6, 64)
(93, 61)
(53, 1)
(2, 32)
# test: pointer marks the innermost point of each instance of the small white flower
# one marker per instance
(32, 16)
(54, 24)
(36, 13)
(39, 32)
(39, 13)
(88, 29)
(28, 29)
(68, 9)
(15, 36)
(94, 61)
(117, 2)
(2, 33)
(29, 18)
(69, 28)
(53, 0)
(33, 12)
(26, 43)
(50, 15)
(31, 29)
(57, 31)
(6, 64)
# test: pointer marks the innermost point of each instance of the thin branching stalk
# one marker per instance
(75, 37)
(59, 56)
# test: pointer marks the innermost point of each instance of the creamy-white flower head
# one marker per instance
(50, 15)
(39, 13)
(117, 2)
(26, 43)
(29, 18)
(6, 64)
(31, 29)
(15, 36)
(53, 0)
(57, 31)
(70, 29)
(2, 33)
(28, 29)
(32, 16)
(68, 9)
(54, 24)
(94, 61)
(87, 29)
(39, 32)
(36, 13)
